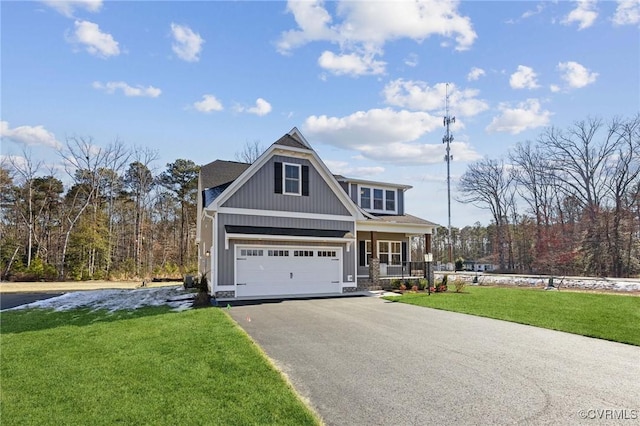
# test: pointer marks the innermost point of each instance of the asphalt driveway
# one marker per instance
(365, 361)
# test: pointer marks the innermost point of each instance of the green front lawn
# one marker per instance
(149, 366)
(606, 316)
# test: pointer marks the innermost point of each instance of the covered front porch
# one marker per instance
(391, 247)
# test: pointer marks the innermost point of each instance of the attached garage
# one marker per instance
(262, 270)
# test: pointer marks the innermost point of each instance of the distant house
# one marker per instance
(284, 226)
(482, 265)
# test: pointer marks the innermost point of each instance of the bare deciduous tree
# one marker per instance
(250, 152)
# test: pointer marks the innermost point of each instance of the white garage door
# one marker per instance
(275, 271)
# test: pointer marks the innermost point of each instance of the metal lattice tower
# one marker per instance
(448, 138)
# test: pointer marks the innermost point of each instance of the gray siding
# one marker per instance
(354, 193)
(400, 202)
(226, 258)
(258, 193)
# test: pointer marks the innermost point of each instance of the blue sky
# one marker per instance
(364, 81)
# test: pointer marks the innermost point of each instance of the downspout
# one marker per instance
(211, 251)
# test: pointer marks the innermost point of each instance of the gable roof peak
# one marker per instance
(295, 133)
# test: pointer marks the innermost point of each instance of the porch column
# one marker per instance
(374, 262)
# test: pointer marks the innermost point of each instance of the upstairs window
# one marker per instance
(292, 179)
(378, 199)
(365, 198)
(390, 200)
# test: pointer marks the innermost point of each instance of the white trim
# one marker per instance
(399, 228)
(284, 178)
(262, 237)
(384, 190)
(282, 213)
(375, 183)
(296, 134)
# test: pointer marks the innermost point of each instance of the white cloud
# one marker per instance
(627, 13)
(475, 74)
(350, 64)
(187, 44)
(138, 91)
(418, 95)
(584, 14)
(523, 78)
(554, 88)
(29, 135)
(411, 60)
(208, 103)
(345, 169)
(95, 41)
(67, 8)
(262, 108)
(375, 126)
(406, 153)
(576, 75)
(364, 29)
(529, 13)
(526, 115)
(383, 135)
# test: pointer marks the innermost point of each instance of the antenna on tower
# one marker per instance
(448, 138)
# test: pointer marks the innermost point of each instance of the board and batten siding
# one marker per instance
(226, 258)
(400, 198)
(258, 192)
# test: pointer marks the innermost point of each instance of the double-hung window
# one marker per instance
(390, 252)
(365, 198)
(390, 200)
(292, 179)
(377, 199)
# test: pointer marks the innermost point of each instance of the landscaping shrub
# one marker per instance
(460, 285)
(422, 284)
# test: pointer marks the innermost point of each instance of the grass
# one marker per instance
(149, 366)
(605, 316)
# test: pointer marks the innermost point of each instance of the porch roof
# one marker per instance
(406, 224)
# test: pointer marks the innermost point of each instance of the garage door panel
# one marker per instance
(302, 271)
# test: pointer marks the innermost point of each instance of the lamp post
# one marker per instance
(428, 258)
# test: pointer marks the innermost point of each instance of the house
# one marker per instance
(284, 226)
(482, 265)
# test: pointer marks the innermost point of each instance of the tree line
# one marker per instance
(112, 218)
(567, 203)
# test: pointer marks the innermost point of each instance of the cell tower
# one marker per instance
(448, 138)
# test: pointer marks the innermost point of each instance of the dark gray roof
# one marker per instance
(289, 140)
(221, 172)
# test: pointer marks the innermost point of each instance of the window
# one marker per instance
(377, 199)
(281, 253)
(292, 179)
(390, 200)
(326, 253)
(303, 253)
(390, 252)
(365, 198)
(367, 249)
(245, 252)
